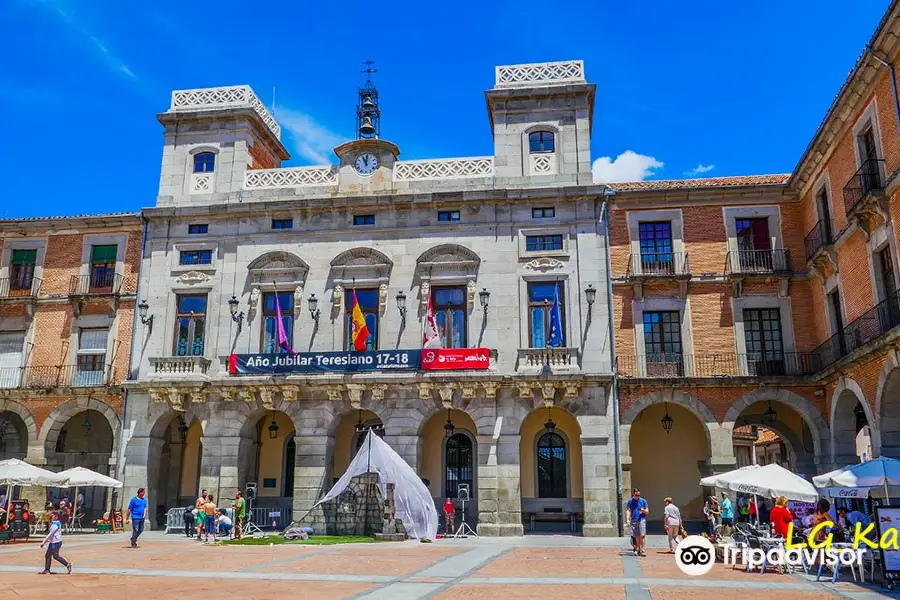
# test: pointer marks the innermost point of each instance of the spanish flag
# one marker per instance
(359, 333)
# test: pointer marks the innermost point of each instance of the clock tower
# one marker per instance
(366, 163)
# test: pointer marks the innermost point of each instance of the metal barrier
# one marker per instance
(175, 520)
(260, 516)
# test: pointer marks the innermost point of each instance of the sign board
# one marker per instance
(330, 362)
(275, 514)
(452, 359)
(887, 518)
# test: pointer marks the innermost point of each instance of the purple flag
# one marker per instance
(283, 342)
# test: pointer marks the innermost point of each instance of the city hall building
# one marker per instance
(508, 249)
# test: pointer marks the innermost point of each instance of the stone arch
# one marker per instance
(887, 409)
(809, 413)
(448, 253)
(846, 394)
(163, 420)
(803, 463)
(57, 419)
(698, 407)
(24, 414)
(278, 261)
(361, 257)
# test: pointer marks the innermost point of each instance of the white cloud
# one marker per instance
(699, 170)
(312, 141)
(628, 166)
(107, 56)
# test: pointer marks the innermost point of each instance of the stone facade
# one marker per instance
(487, 227)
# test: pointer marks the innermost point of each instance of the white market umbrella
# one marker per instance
(81, 477)
(769, 481)
(860, 480)
(15, 472)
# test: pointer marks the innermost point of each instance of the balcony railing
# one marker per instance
(15, 288)
(758, 262)
(873, 323)
(865, 181)
(674, 366)
(659, 265)
(55, 376)
(821, 236)
(180, 365)
(102, 283)
(537, 358)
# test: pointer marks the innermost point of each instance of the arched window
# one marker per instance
(204, 162)
(540, 141)
(458, 460)
(552, 467)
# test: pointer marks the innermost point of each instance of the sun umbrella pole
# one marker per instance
(887, 494)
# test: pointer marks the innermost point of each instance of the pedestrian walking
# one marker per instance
(673, 522)
(727, 511)
(137, 513)
(638, 509)
(209, 524)
(240, 511)
(53, 541)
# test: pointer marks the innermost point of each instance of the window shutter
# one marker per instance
(103, 254)
(24, 257)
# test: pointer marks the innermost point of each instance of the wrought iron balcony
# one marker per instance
(104, 283)
(659, 265)
(19, 288)
(759, 262)
(65, 376)
(719, 365)
(180, 365)
(867, 181)
(870, 325)
(822, 236)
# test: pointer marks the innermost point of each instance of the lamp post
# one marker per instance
(667, 420)
(449, 427)
(590, 295)
(86, 424)
(314, 311)
(273, 428)
(771, 415)
(237, 317)
(401, 304)
(143, 307)
(550, 425)
(484, 297)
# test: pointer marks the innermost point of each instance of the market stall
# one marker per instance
(79, 477)
(16, 515)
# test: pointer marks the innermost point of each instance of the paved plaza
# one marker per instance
(496, 568)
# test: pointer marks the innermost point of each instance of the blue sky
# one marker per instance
(732, 88)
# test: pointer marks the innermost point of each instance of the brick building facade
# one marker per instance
(67, 298)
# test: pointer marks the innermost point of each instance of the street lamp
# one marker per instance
(182, 428)
(449, 427)
(401, 304)
(273, 428)
(484, 296)
(86, 424)
(667, 420)
(236, 316)
(771, 415)
(590, 294)
(313, 303)
(550, 425)
(143, 307)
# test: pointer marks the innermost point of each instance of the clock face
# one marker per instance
(366, 164)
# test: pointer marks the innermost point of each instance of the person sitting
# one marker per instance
(851, 517)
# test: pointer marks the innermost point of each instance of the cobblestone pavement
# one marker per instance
(530, 567)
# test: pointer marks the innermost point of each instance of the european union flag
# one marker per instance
(556, 331)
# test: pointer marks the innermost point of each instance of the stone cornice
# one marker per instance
(171, 119)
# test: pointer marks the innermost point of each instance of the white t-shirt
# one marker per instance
(673, 515)
(224, 520)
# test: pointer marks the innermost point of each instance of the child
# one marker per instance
(54, 538)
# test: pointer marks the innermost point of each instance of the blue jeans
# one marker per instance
(137, 528)
(53, 552)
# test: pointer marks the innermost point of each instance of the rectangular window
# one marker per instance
(754, 245)
(190, 325)
(448, 215)
(662, 343)
(540, 307)
(12, 344)
(21, 271)
(282, 223)
(91, 366)
(656, 247)
(368, 303)
(269, 344)
(198, 228)
(765, 352)
(886, 264)
(364, 219)
(450, 312)
(196, 257)
(103, 268)
(543, 213)
(542, 243)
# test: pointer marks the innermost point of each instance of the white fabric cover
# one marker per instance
(769, 481)
(18, 472)
(413, 501)
(81, 477)
(870, 477)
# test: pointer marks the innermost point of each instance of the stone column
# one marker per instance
(219, 467)
(599, 476)
(722, 457)
(172, 490)
(499, 492)
(312, 478)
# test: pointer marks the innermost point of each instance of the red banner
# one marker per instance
(452, 359)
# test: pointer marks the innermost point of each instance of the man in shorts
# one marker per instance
(209, 525)
(638, 509)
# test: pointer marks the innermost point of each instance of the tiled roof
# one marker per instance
(708, 182)
(63, 217)
(767, 436)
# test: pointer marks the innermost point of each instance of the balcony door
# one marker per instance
(825, 217)
(662, 344)
(656, 248)
(765, 350)
(11, 345)
(889, 311)
(754, 244)
(868, 156)
(91, 366)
